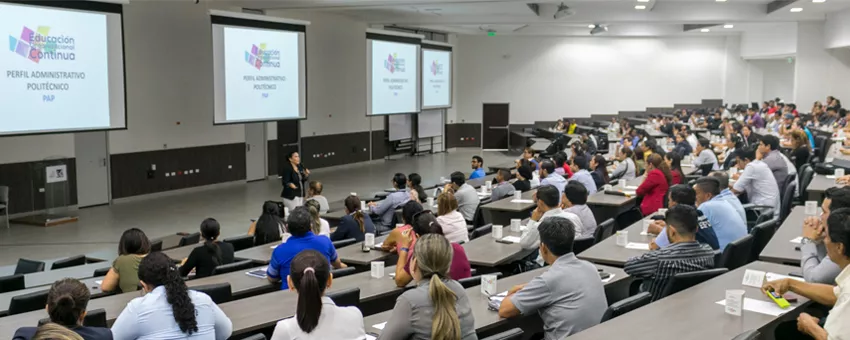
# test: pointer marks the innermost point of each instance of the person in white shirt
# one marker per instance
(320, 226)
(836, 326)
(626, 169)
(547, 199)
(317, 316)
(453, 223)
(705, 155)
(756, 180)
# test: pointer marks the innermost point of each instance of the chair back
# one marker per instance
(12, 283)
(101, 272)
(156, 246)
(706, 168)
(628, 217)
(4, 194)
(511, 334)
(95, 318)
(478, 218)
(682, 281)
(218, 292)
(787, 199)
(343, 243)
(481, 231)
(342, 272)
(762, 233)
(604, 230)
(258, 336)
(28, 302)
(806, 176)
(190, 239)
(240, 242)
(582, 244)
(72, 261)
(737, 253)
(232, 267)
(346, 298)
(29, 266)
(473, 281)
(626, 305)
(820, 143)
(748, 335)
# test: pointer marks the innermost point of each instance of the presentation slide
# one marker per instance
(394, 77)
(259, 74)
(63, 70)
(436, 79)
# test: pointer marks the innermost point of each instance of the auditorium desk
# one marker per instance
(503, 210)
(780, 249)
(6, 298)
(485, 251)
(609, 253)
(349, 254)
(605, 206)
(818, 186)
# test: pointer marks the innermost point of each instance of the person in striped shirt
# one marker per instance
(683, 255)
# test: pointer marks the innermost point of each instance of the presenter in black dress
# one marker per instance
(293, 178)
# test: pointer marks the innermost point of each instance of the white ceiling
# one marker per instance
(512, 17)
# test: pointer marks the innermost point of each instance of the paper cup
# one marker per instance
(369, 240)
(622, 238)
(839, 172)
(515, 223)
(811, 208)
(734, 301)
(517, 195)
(621, 183)
(483, 189)
(606, 187)
(377, 269)
(430, 202)
(362, 205)
(497, 232)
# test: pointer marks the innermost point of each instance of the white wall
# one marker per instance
(777, 79)
(735, 76)
(545, 77)
(837, 29)
(819, 72)
(769, 40)
(755, 84)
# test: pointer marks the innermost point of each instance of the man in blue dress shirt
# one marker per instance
(477, 168)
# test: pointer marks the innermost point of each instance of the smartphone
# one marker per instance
(505, 242)
(604, 275)
(778, 299)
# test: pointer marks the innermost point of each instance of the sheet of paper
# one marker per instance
(830, 176)
(637, 246)
(759, 306)
(609, 278)
(797, 240)
(775, 276)
(499, 297)
(98, 282)
(522, 201)
(370, 337)
(512, 239)
(630, 187)
(643, 233)
(630, 193)
(380, 325)
(753, 278)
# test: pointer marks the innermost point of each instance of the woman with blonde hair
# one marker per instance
(319, 225)
(52, 331)
(453, 223)
(438, 307)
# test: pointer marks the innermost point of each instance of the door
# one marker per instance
(255, 151)
(288, 136)
(494, 126)
(92, 156)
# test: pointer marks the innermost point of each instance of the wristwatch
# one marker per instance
(406, 250)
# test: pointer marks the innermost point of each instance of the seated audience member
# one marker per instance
(169, 310)
(302, 238)
(683, 194)
(425, 223)
(770, 155)
(414, 183)
(800, 147)
(640, 164)
(682, 147)
(354, 224)
(725, 221)
(691, 138)
(600, 171)
(386, 207)
(547, 199)
(705, 155)
(837, 244)
(654, 187)
(816, 265)
(467, 198)
(626, 169)
(477, 168)
(269, 226)
(568, 296)
(124, 274)
(727, 196)
(410, 209)
(528, 154)
(549, 177)
(684, 254)
(437, 308)
(580, 174)
(320, 226)
(503, 188)
(561, 166)
(674, 162)
(733, 144)
(66, 305)
(749, 139)
(574, 201)
(523, 177)
(572, 128)
(316, 315)
(453, 223)
(205, 258)
(757, 180)
(314, 193)
(559, 126)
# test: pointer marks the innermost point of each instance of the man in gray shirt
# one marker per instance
(386, 207)
(503, 188)
(769, 149)
(569, 296)
(574, 201)
(817, 267)
(467, 198)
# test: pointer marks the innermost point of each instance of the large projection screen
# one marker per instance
(259, 68)
(436, 75)
(63, 69)
(392, 72)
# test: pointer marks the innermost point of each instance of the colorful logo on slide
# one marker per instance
(37, 45)
(259, 56)
(436, 68)
(394, 63)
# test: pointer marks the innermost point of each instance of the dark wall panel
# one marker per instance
(19, 177)
(330, 150)
(712, 103)
(379, 145)
(216, 164)
(463, 135)
(687, 106)
(272, 154)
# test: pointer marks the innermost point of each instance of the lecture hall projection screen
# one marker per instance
(392, 72)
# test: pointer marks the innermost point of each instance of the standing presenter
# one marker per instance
(293, 178)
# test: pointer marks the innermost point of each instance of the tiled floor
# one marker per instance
(231, 204)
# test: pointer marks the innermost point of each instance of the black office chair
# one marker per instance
(218, 292)
(604, 230)
(754, 213)
(481, 231)
(343, 243)
(629, 217)
(101, 272)
(473, 281)
(748, 335)
(511, 334)
(156, 245)
(582, 244)
(478, 218)
(72, 261)
(346, 298)
(737, 253)
(28, 302)
(820, 146)
(95, 318)
(705, 169)
(682, 281)
(190, 239)
(762, 233)
(787, 200)
(12, 283)
(29, 266)
(259, 336)
(232, 267)
(626, 305)
(240, 242)
(806, 175)
(342, 272)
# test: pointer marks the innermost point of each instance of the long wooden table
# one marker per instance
(693, 314)
(818, 185)
(609, 253)
(486, 252)
(605, 206)
(502, 211)
(780, 249)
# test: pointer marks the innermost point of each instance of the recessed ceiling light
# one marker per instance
(642, 0)
(591, 26)
(796, 9)
(818, 1)
(705, 30)
(720, 0)
(640, 7)
(728, 26)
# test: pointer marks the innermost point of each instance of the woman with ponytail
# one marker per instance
(66, 305)
(169, 310)
(355, 224)
(316, 315)
(319, 225)
(438, 307)
(212, 254)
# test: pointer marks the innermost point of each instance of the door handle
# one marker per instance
(248, 147)
(103, 162)
(498, 127)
